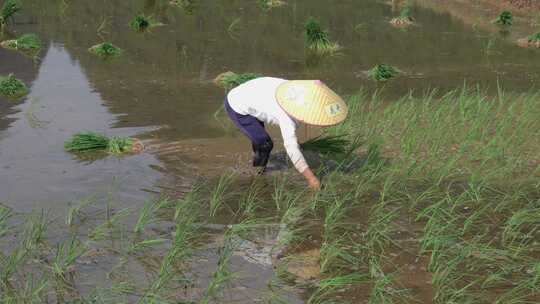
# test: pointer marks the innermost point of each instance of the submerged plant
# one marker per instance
(89, 141)
(105, 50)
(12, 88)
(10, 8)
(270, 4)
(142, 23)
(383, 72)
(230, 80)
(317, 39)
(25, 43)
(504, 19)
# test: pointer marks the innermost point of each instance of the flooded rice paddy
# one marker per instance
(221, 242)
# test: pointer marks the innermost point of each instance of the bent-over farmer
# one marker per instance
(284, 103)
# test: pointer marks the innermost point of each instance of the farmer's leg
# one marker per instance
(254, 129)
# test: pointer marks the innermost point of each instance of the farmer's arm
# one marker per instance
(288, 131)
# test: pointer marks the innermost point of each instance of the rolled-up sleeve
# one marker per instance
(288, 132)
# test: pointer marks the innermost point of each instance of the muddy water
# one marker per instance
(160, 90)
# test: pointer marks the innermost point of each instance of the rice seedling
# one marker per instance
(504, 19)
(530, 41)
(5, 215)
(145, 244)
(105, 50)
(230, 80)
(76, 211)
(189, 6)
(27, 43)
(405, 18)
(219, 193)
(383, 72)
(109, 226)
(90, 141)
(12, 88)
(317, 40)
(327, 144)
(148, 215)
(66, 256)
(9, 9)
(142, 23)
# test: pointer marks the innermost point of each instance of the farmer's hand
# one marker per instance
(312, 180)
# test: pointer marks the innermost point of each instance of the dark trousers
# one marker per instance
(254, 129)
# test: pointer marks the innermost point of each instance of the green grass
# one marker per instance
(105, 50)
(504, 19)
(534, 37)
(12, 88)
(9, 9)
(383, 72)
(90, 142)
(230, 80)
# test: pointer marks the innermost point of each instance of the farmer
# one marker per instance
(284, 103)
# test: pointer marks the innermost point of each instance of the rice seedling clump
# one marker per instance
(405, 18)
(270, 4)
(105, 50)
(143, 23)
(504, 19)
(12, 88)
(26, 43)
(89, 141)
(383, 72)
(530, 41)
(9, 9)
(317, 39)
(230, 80)
(327, 145)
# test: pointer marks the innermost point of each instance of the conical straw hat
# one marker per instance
(311, 102)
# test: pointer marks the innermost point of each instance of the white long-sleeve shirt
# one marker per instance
(257, 98)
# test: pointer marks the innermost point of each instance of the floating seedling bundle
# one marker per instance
(105, 50)
(270, 4)
(382, 72)
(405, 18)
(230, 80)
(142, 23)
(317, 40)
(531, 41)
(12, 88)
(504, 19)
(27, 43)
(9, 9)
(89, 141)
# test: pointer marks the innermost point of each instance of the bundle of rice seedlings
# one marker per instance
(382, 72)
(188, 5)
(105, 50)
(405, 18)
(90, 141)
(317, 40)
(504, 19)
(327, 145)
(142, 23)
(12, 88)
(230, 80)
(10, 8)
(270, 4)
(26, 43)
(530, 41)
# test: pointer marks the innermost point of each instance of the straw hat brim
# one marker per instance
(311, 102)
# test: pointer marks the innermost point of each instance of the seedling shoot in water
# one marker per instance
(105, 50)
(142, 23)
(504, 19)
(28, 44)
(230, 80)
(9, 9)
(317, 40)
(86, 142)
(405, 18)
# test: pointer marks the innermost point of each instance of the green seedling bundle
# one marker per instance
(105, 50)
(504, 19)
(327, 145)
(405, 18)
(317, 40)
(383, 72)
(12, 88)
(27, 43)
(89, 141)
(230, 80)
(270, 4)
(142, 23)
(9, 9)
